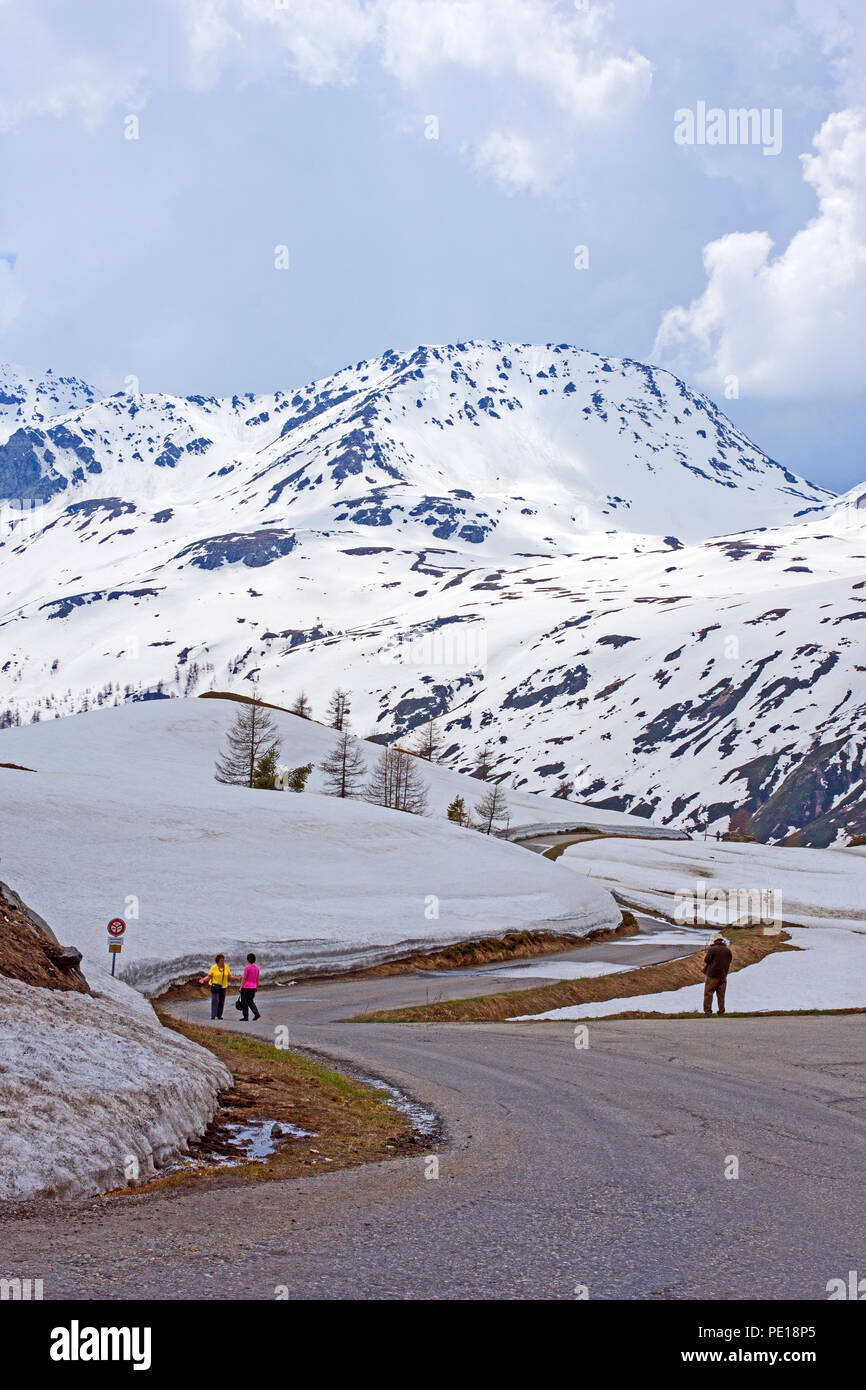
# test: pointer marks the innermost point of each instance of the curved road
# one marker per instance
(603, 1167)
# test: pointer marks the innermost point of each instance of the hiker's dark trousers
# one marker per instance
(217, 1001)
(248, 1001)
(717, 988)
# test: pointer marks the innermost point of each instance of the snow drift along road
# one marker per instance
(93, 1090)
(813, 887)
(123, 818)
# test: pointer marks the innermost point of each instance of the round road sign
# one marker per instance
(116, 926)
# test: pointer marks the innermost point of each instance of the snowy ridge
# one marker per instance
(27, 401)
(596, 434)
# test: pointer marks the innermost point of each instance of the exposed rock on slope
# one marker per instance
(29, 950)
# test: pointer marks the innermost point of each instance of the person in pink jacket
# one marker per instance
(249, 985)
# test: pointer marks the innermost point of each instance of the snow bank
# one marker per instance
(93, 1090)
(123, 818)
(820, 890)
(828, 972)
(590, 818)
(815, 887)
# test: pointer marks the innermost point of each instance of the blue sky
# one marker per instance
(304, 124)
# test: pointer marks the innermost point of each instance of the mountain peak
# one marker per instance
(545, 442)
(28, 399)
(575, 557)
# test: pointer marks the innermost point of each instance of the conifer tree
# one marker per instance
(429, 745)
(491, 811)
(302, 706)
(252, 735)
(338, 709)
(396, 782)
(265, 772)
(483, 770)
(297, 779)
(457, 811)
(344, 767)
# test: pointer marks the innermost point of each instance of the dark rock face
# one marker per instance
(251, 548)
(62, 607)
(823, 795)
(409, 714)
(66, 958)
(26, 470)
(113, 507)
(526, 695)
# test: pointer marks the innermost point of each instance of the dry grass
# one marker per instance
(351, 1123)
(25, 953)
(248, 700)
(489, 950)
(747, 947)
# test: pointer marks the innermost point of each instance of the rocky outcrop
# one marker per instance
(30, 952)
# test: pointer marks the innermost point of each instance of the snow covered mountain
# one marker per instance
(576, 558)
(31, 401)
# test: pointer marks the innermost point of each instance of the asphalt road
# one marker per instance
(602, 1167)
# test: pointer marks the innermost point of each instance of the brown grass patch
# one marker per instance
(350, 1122)
(248, 700)
(494, 949)
(747, 947)
(27, 953)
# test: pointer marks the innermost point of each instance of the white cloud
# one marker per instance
(533, 78)
(838, 26)
(321, 41)
(44, 72)
(518, 85)
(792, 324)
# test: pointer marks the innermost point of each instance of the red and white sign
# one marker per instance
(116, 927)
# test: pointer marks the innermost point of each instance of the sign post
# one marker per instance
(116, 928)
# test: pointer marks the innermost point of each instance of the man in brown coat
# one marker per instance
(717, 963)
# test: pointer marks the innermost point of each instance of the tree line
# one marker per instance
(251, 758)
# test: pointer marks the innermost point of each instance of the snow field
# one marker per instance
(124, 818)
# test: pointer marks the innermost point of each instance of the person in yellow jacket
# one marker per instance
(218, 978)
